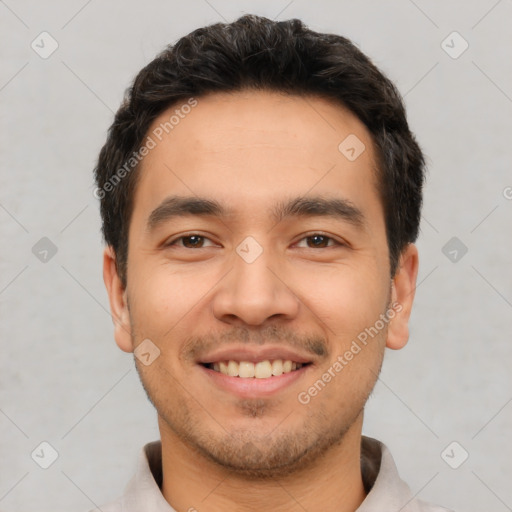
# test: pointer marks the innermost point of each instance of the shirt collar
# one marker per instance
(385, 490)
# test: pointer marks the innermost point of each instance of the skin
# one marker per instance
(249, 150)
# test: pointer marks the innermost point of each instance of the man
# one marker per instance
(260, 195)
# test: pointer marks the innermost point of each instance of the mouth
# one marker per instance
(255, 370)
(254, 379)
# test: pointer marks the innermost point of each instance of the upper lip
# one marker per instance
(254, 355)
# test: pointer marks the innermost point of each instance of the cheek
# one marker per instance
(347, 298)
(165, 298)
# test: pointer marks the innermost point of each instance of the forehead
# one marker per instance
(250, 148)
(221, 122)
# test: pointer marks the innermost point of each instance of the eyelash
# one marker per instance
(173, 243)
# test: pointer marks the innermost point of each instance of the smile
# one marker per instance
(257, 370)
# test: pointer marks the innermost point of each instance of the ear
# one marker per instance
(403, 288)
(117, 298)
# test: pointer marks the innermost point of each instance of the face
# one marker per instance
(257, 263)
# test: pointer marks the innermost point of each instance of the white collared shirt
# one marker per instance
(387, 492)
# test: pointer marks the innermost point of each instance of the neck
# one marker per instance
(331, 483)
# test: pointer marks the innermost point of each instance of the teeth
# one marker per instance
(260, 370)
(223, 367)
(245, 369)
(277, 367)
(232, 369)
(263, 370)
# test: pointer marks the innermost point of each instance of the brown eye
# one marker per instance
(319, 241)
(192, 241)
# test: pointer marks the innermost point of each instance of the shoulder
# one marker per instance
(386, 490)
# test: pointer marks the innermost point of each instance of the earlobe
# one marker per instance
(402, 296)
(118, 301)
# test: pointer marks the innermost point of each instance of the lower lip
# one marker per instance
(253, 387)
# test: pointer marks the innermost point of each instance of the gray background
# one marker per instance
(64, 381)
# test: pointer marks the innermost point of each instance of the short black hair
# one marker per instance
(254, 52)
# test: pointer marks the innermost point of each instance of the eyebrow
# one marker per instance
(315, 206)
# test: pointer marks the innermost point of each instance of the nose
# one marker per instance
(253, 292)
